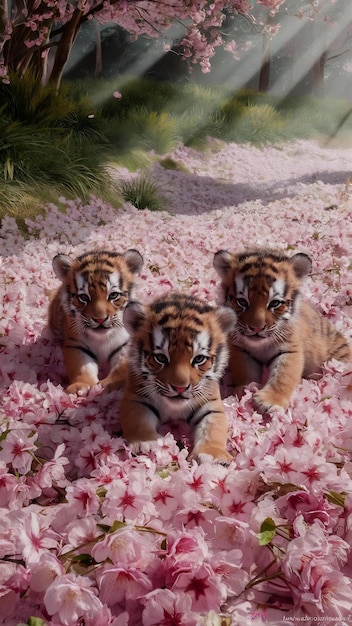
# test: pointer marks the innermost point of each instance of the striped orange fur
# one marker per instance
(276, 330)
(85, 315)
(178, 352)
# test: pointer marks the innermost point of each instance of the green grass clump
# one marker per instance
(170, 164)
(21, 201)
(143, 193)
(256, 124)
(196, 125)
(313, 117)
(156, 131)
(50, 140)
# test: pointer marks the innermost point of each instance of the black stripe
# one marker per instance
(116, 351)
(98, 255)
(338, 349)
(268, 363)
(100, 258)
(272, 267)
(279, 354)
(201, 417)
(293, 297)
(151, 408)
(180, 302)
(85, 350)
(163, 321)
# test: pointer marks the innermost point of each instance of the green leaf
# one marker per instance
(117, 526)
(336, 498)
(36, 621)
(85, 559)
(267, 531)
(4, 435)
(268, 524)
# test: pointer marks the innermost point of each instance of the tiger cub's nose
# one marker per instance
(100, 320)
(257, 329)
(179, 389)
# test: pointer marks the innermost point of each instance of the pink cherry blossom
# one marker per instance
(117, 584)
(230, 568)
(70, 597)
(7, 485)
(44, 571)
(53, 471)
(314, 544)
(166, 500)
(35, 538)
(126, 547)
(165, 608)
(18, 448)
(204, 587)
(82, 497)
(186, 550)
(310, 506)
(127, 501)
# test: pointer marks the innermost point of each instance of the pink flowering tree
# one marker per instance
(31, 29)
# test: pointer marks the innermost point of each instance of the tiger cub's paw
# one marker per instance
(115, 380)
(206, 454)
(267, 399)
(110, 386)
(81, 389)
(144, 447)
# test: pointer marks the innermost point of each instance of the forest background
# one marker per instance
(133, 77)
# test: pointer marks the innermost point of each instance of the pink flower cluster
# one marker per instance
(92, 534)
(199, 22)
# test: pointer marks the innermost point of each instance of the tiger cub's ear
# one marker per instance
(301, 263)
(133, 316)
(226, 317)
(223, 262)
(61, 265)
(133, 259)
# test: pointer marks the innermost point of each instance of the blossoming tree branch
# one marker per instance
(30, 29)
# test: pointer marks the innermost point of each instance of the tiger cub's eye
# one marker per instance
(274, 304)
(242, 303)
(83, 298)
(200, 359)
(160, 358)
(114, 295)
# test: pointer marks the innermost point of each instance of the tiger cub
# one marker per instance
(276, 333)
(85, 314)
(178, 352)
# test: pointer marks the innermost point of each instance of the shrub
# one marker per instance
(47, 139)
(142, 192)
(257, 124)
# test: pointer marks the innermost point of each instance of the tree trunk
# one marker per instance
(4, 15)
(264, 76)
(98, 51)
(319, 56)
(318, 75)
(64, 46)
(18, 57)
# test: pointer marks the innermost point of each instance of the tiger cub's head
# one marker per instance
(97, 286)
(178, 345)
(262, 287)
